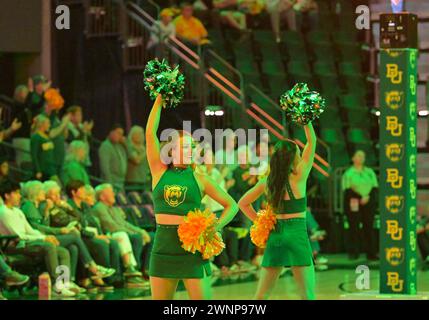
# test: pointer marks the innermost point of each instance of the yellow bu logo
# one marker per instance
(394, 230)
(394, 282)
(393, 73)
(394, 126)
(394, 178)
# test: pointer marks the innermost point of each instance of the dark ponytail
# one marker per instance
(280, 168)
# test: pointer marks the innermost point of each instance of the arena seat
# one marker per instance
(333, 136)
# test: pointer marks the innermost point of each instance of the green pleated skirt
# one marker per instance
(169, 260)
(288, 245)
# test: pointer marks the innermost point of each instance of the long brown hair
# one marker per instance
(280, 167)
(180, 135)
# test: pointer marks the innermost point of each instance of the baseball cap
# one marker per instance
(39, 79)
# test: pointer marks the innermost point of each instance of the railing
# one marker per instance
(102, 18)
(215, 72)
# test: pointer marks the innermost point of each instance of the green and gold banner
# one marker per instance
(398, 184)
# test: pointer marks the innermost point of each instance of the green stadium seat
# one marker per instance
(246, 66)
(350, 68)
(358, 136)
(352, 101)
(297, 66)
(278, 85)
(333, 136)
(264, 36)
(322, 50)
(339, 156)
(350, 52)
(330, 119)
(293, 38)
(359, 118)
(356, 84)
(272, 66)
(329, 83)
(344, 38)
(318, 36)
(324, 68)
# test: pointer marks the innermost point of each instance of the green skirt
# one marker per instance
(169, 260)
(288, 245)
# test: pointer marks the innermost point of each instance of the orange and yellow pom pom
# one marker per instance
(198, 233)
(54, 99)
(262, 226)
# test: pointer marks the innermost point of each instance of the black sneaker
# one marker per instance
(14, 278)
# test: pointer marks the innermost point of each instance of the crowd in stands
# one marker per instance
(178, 20)
(56, 217)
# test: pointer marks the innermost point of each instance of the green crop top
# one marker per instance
(177, 192)
(293, 205)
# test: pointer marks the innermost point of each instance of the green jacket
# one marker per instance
(38, 220)
(74, 170)
(43, 155)
(112, 219)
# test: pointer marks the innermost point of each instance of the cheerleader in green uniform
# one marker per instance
(288, 244)
(177, 189)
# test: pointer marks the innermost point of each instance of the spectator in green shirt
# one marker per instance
(74, 168)
(359, 184)
(42, 150)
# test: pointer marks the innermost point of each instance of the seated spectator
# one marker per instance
(67, 215)
(113, 158)
(161, 31)
(79, 130)
(113, 221)
(59, 128)
(230, 15)
(125, 247)
(278, 10)
(189, 28)
(43, 150)
(74, 168)
(38, 216)
(138, 174)
(32, 243)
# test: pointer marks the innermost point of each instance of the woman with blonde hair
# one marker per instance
(43, 149)
(38, 216)
(74, 168)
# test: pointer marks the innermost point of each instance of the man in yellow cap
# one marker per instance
(162, 30)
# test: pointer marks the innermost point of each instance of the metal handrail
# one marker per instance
(228, 91)
(156, 6)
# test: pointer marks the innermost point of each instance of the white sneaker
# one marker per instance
(66, 293)
(321, 260)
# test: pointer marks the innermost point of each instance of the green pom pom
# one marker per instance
(302, 106)
(160, 78)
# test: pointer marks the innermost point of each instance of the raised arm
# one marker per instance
(214, 191)
(153, 151)
(251, 196)
(304, 167)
